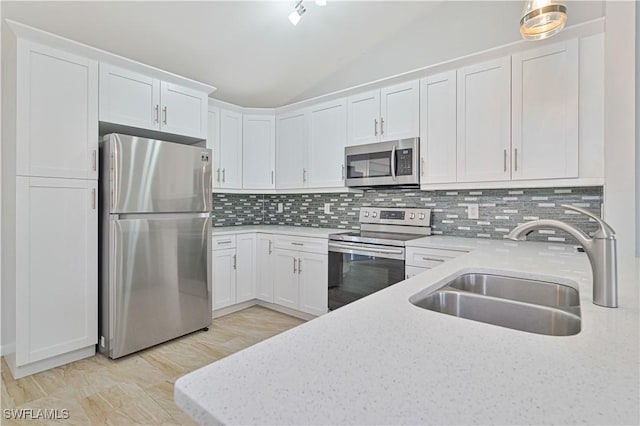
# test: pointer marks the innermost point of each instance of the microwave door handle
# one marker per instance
(393, 162)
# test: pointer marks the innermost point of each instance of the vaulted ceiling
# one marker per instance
(255, 57)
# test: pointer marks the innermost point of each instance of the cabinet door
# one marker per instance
(484, 121)
(231, 149)
(412, 271)
(363, 123)
(400, 111)
(57, 113)
(314, 290)
(545, 112)
(292, 141)
(438, 128)
(213, 143)
(184, 110)
(264, 268)
(258, 151)
(245, 267)
(286, 291)
(129, 98)
(56, 267)
(328, 137)
(224, 278)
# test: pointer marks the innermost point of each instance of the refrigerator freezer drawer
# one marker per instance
(159, 286)
(152, 176)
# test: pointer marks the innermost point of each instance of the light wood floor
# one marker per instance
(137, 389)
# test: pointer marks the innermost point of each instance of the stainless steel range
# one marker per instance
(361, 263)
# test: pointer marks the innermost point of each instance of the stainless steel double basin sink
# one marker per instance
(539, 307)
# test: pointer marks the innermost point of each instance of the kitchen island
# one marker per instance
(382, 360)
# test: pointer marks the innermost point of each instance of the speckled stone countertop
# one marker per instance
(299, 231)
(382, 360)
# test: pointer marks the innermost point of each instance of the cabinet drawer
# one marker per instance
(220, 242)
(306, 244)
(430, 257)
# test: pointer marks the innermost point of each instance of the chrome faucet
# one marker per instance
(600, 249)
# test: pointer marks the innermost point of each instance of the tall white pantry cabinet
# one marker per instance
(49, 206)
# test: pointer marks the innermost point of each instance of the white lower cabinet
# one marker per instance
(264, 267)
(301, 281)
(56, 267)
(420, 259)
(412, 271)
(233, 269)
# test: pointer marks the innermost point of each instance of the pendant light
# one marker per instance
(542, 19)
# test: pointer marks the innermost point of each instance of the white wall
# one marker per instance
(454, 29)
(637, 131)
(620, 139)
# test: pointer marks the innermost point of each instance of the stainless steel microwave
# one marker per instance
(383, 163)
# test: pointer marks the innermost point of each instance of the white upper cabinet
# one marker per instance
(184, 110)
(230, 173)
(484, 121)
(137, 100)
(400, 111)
(384, 114)
(438, 128)
(328, 137)
(213, 142)
(259, 149)
(545, 112)
(364, 118)
(291, 148)
(57, 113)
(129, 98)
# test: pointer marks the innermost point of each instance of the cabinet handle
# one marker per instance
(93, 198)
(218, 172)
(224, 175)
(164, 112)
(294, 265)
(381, 126)
(272, 174)
(270, 247)
(343, 172)
(94, 160)
(515, 160)
(375, 127)
(224, 242)
(235, 260)
(433, 259)
(157, 108)
(299, 266)
(421, 166)
(304, 175)
(505, 160)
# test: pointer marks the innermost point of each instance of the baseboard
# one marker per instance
(256, 302)
(7, 349)
(19, 372)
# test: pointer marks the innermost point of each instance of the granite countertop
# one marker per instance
(299, 231)
(381, 360)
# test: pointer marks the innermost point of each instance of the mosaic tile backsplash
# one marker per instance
(500, 209)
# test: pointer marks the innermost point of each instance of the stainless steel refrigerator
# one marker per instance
(155, 242)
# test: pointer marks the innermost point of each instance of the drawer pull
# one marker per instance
(297, 244)
(433, 259)
(224, 242)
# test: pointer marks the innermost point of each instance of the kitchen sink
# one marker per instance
(523, 290)
(528, 305)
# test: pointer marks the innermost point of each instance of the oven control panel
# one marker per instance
(395, 216)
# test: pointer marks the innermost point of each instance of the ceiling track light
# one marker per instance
(542, 19)
(297, 13)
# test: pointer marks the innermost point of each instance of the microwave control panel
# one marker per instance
(404, 162)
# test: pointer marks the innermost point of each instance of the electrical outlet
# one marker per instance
(327, 208)
(280, 208)
(473, 211)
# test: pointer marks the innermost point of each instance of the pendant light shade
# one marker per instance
(542, 19)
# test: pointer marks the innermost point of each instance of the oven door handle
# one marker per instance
(366, 251)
